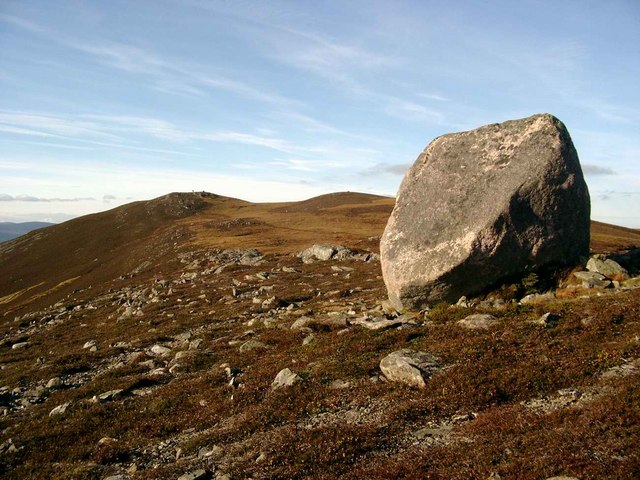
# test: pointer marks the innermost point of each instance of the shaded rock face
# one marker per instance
(482, 206)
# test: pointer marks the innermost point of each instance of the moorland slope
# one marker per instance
(143, 342)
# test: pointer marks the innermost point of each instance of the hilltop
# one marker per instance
(143, 342)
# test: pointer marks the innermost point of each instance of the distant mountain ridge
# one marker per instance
(11, 230)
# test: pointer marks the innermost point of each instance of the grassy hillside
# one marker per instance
(132, 343)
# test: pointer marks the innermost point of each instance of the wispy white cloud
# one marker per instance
(166, 74)
(51, 124)
(21, 23)
(344, 64)
(154, 127)
(30, 198)
(84, 129)
(304, 165)
(409, 110)
(171, 75)
(434, 96)
(45, 144)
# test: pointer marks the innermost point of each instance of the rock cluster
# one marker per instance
(482, 206)
(323, 253)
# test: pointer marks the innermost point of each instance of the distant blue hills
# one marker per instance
(10, 230)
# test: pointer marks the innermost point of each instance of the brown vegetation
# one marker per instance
(518, 400)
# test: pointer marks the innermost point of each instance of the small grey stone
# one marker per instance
(409, 366)
(90, 344)
(301, 323)
(183, 354)
(253, 345)
(463, 302)
(54, 383)
(19, 345)
(548, 320)
(160, 350)
(537, 298)
(339, 384)
(478, 321)
(379, 323)
(60, 409)
(261, 458)
(183, 337)
(107, 396)
(285, 378)
(607, 267)
(200, 474)
(592, 279)
(318, 252)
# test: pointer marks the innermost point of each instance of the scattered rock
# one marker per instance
(339, 384)
(262, 458)
(8, 447)
(302, 323)
(480, 206)
(478, 321)
(592, 279)
(409, 366)
(60, 409)
(547, 320)
(160, 350)
(90, 344)
(607, 267)
(54, 383)
(334, 252)
(379, 323)
(534, 298)
(285, 378)
(107, 396)
(253, 345)
(463, 302)
(331, 322)
(200, 474)
(318, 252)
(183, 354)
(19, 345)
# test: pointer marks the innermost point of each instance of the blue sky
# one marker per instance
(102, 103)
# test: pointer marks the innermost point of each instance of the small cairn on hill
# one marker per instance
(483, 206)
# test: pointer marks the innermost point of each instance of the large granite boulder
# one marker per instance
(482, 206)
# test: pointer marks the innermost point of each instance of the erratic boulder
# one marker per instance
(483, 206)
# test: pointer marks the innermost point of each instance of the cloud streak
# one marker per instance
(590, 169)
(29, 198)
(167, 75)
(386, 169)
